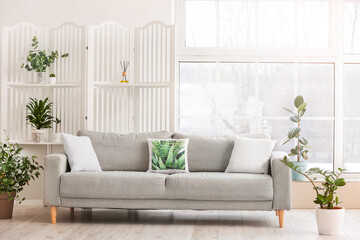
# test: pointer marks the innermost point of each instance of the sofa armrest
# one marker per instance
(54, 166)
(281, 175)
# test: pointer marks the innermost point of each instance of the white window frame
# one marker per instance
(332, 55)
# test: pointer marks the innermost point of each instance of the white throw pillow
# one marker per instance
(250, 155)
(168, 155)
(80, 153)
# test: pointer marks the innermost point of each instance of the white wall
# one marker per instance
(50, 13)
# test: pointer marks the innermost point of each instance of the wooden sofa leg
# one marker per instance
(277, 212)
(281, 214)
(72, 210)
(53, 211)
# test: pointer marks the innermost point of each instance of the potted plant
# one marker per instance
(52, 78)
(39, 60)
(300, 150)
(39, 117)
(57, 135)
(15, 172)
(329, 216)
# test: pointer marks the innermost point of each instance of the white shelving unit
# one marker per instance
(88, 93)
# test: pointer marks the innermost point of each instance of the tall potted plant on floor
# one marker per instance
(329, 215)
(300, 151)
(40, 118)
(39, 60)
(16, 171)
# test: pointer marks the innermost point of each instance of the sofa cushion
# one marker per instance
(123, 152)
(113, 185)
(219, 186)
(211, 154)
(80, 153)
(250, 155)
(168, 155)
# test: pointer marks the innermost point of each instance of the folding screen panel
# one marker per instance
(155, 71)
(108, 99)
(69, 94)
(16, 42)
(18, 85)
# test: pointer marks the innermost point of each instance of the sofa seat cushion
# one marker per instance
(113, 185)
(219, 186)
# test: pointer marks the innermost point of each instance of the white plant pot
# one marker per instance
(330, 221)
(38, 135)
(40, 77)
(52, 80)
(56, 137)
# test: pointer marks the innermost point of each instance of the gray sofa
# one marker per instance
(124, 182)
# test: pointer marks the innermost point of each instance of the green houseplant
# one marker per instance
(40, 118)
(300, 150)
(39, 60)
(15, 172)
(329, 216)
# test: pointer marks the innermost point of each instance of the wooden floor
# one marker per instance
(33, 222)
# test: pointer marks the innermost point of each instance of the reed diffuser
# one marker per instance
(124, 65)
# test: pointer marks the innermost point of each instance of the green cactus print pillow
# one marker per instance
(168, 155)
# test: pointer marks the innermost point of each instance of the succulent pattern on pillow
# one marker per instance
(168, 154)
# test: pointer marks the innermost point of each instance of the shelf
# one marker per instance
(118, 84)
(112, 84)
(25, 142)
(23, 84)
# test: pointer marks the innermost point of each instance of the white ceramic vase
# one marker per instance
(38, 135)
(40, 77)
(330, 221)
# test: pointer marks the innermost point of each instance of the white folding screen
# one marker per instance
(88, 93)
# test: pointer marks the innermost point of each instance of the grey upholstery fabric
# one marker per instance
(281, 175)
(219, 186)
(166, 204)
(123, 152)
(54, 166)
(113, 185)
(211, 154)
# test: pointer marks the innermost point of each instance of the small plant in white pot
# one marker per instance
(52, 78)
(40, 118)
(300, 150)
(329, 215)
(57, 134)
(38, 60)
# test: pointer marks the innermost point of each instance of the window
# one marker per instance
(249, 97)
(257, 23)
(241, 61)
(352, 26)
(352, 117)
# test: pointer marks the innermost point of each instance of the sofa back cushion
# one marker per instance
(212, 154)
(123, 152)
